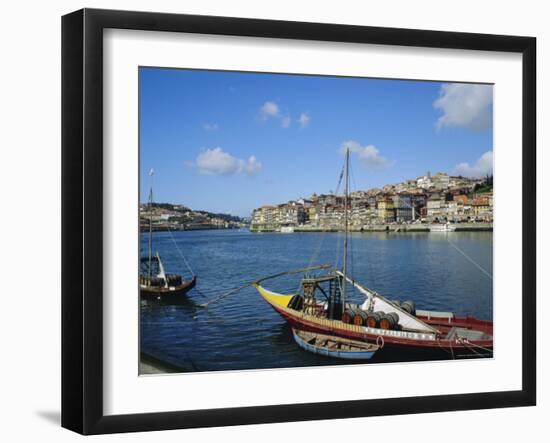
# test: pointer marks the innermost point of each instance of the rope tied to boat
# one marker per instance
(280, 274)
(471, 260)
(226, 294)
(472, 345)
(452, 351)
(180, 253)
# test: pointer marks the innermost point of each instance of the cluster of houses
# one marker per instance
(427, 199)
(164, 217)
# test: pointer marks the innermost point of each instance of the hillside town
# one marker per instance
(438, 198)
(167, 216)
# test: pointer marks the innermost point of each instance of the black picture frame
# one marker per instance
(82, 218)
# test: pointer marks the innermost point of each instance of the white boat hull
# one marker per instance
(442, 228)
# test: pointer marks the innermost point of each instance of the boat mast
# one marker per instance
(344, 271)
(151, 173)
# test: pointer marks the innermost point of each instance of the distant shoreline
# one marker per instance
(396, 228)
(172, 229)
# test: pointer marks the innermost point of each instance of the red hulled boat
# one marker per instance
(320, 306)
(388, 323)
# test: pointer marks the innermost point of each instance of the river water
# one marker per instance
(439, 271)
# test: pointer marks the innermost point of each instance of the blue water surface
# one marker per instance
(439, 271)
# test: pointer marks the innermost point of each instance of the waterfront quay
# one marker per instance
(411, 206)
(419, 227)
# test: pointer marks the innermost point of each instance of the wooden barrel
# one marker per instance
(373, 319)
(157, 282)
(348, 315)
(385, 322)
(173, 279)
(360, 318)
(389, 321)
(395, 316)
(409, 307)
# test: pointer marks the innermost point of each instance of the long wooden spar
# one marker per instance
(293, 271)
(257, 281)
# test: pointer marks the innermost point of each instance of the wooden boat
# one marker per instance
(320, 307)
(334, 347)
(427, 332)
(161, 286)
(154, 283)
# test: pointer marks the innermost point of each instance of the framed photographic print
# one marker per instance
(269, 221)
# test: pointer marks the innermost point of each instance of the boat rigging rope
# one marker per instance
(474, 351)
(351, 249)
(318, 248)
(471, 345)
(317, 251)
(198, 291)
(471, 260)
(180, 253)
(444, 349)
(338, 251)
(226, 294)
(338, 238)
(257, 281)
(452, 351)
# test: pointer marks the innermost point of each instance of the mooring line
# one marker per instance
(180, 253)
(470, 259)
(205, 305)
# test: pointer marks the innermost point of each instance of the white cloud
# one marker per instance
(210, 126)
(216, 161)
(285, 121)
(369, 155)
(304, 119)
(269, 109)
(252, 166)
(482, 167)
(465, 105)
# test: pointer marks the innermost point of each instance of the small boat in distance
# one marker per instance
(154, 283)
(332, 346)
(442, 227)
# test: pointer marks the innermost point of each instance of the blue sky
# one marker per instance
(230, 142)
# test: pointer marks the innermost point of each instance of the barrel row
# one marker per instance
(377, 319)
(171, 280)
(407, 306)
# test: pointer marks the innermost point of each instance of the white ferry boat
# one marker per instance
(442, 227)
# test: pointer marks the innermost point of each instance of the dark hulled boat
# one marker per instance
(161, 286)
(155, 284)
